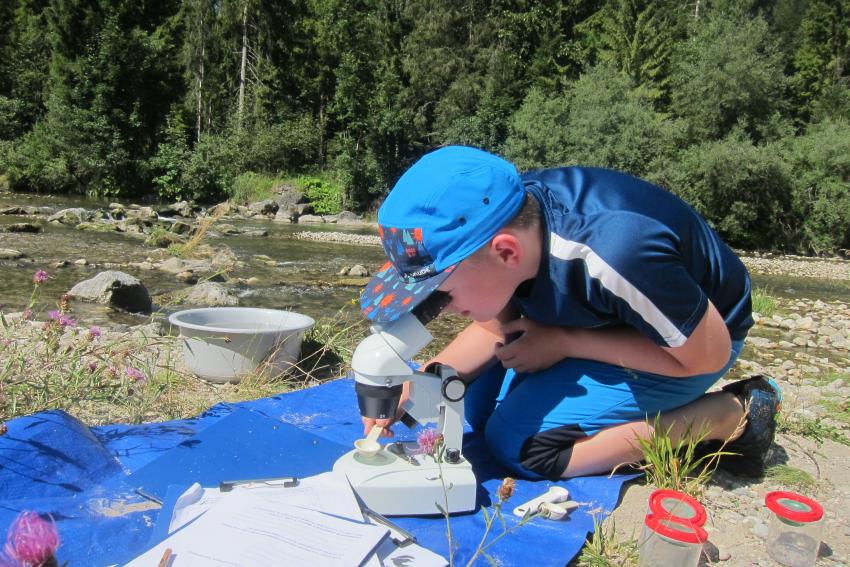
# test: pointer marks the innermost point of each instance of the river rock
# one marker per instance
(141, 213)
(9, 254)
(27, 227)
(97, 227)
(264, 207)
(114, 288)
(308, 219)
(347, 217)
(71, 216)
(178, 265)
(211, 294)
(288, 194)
(286, 213)
(358, 271)
(180, 209)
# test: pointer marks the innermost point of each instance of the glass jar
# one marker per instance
(793, 536)
(674, 504)
(670, 541)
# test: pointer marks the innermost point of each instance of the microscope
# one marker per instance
(395, 480)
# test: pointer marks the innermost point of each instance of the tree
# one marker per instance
(728, 73)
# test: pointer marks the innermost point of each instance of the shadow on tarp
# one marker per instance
(51, 463)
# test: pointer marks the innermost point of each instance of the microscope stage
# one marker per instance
(393, 486)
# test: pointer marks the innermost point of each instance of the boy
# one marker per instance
(597, 301)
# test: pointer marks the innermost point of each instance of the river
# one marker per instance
(291, 273)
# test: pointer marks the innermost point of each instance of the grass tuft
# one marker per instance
(790, 476)
(763, 303)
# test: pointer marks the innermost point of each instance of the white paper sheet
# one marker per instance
(249, 531)
(328, 492)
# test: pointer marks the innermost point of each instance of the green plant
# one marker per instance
(677, 465)
(602, 550)
(763, 303)
(251, 187)
(325, 196)
(790, 476)
(814, 429)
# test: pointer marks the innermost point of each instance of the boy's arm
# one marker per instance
(540, 346)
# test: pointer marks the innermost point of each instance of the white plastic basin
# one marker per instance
(225, 344)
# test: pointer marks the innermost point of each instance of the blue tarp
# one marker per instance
(90, 479)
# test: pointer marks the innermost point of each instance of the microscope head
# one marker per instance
(380, 361)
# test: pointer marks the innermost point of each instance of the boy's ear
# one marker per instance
(507, 248)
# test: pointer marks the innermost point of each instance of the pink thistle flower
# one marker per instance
(28, 314)
(429, 441)
(135, 374)
(92, 367)
(39, 277)
(67, 321)
(94, 331)
(31, 540)
(5, 342)
(54, 315)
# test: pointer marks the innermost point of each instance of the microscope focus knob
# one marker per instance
(452, 456)
(454, 389)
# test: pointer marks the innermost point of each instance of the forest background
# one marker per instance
(740, 107)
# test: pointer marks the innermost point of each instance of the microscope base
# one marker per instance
(392, 486)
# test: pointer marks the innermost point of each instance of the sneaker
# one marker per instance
(761, 399)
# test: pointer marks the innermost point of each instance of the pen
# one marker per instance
(288, 482)
(408, 537)
(165, 557)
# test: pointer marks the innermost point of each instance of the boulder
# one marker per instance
(73, 216)
(114, 288)
(180, 209)
(264, 207)
(358, 271)
(310, 219)
(347, 217)
(288, 195)
(211, 294)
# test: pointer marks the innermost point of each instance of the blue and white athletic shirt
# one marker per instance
(621, 251)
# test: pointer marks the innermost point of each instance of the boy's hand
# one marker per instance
(537, 348)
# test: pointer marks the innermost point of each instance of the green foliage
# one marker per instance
(150, 98)
(252, 187)
(814, 429)
(325, 196)
(743, 190)
(820, 191)
(763, 303)
(728, 73)
(603, 550)
(787, 475)
(677, 465)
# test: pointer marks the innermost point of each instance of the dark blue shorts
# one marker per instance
(531, 421)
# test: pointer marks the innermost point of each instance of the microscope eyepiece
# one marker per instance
(428, 310)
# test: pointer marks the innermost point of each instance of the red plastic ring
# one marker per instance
(773, 500)
(657, 508)
(684, 531)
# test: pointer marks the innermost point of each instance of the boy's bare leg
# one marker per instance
(720, 414)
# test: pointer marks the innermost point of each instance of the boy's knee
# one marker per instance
(541, 454)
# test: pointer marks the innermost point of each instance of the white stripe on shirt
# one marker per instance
(598, 269)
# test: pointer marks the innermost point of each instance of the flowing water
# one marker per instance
(301, 275)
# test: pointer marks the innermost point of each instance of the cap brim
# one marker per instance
(388, 296)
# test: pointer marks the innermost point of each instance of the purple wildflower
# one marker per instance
(136, 374)
(54, 315)
(39, 277)
(429, 440)
(94, 331)
(67, 321)
(28, 314)
(31, 540)
(92, 367)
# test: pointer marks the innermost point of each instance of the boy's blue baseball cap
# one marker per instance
(446, 206)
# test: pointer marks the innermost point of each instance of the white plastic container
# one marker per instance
(669, 541)
(224, 344)
(793, 536)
